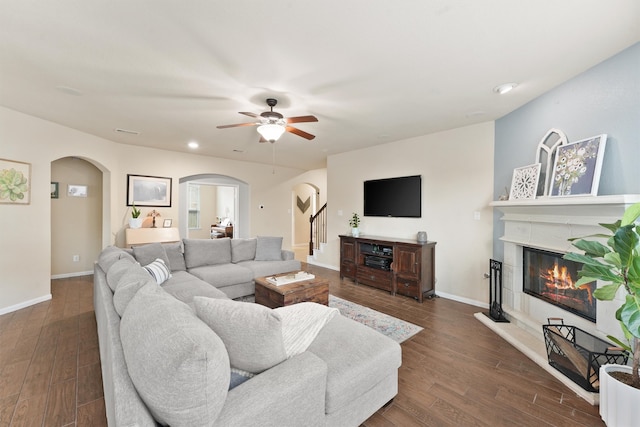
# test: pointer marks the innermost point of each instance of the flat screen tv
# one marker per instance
(394, 197)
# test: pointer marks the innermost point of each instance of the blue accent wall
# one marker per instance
(603, 99)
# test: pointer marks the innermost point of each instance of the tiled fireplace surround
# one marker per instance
(548, 223)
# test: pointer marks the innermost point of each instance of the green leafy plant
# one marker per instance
(13, 184)
(135, 212)
(616, 263)
(354, 222)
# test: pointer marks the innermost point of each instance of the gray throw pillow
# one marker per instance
(146, 254)
(129, 284)
(252, 333)
(179, 366)
(117, 270)
(243, 249)
(199, 252)
(269, 248)
(175, 255)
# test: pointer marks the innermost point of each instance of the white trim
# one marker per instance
(462, 299)
(25, 304)
(319, 264)
(77, 274)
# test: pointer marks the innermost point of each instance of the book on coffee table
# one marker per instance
(285, 279)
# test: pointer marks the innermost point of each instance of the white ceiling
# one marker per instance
(372, 71)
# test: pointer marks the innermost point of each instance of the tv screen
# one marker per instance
(394, 197)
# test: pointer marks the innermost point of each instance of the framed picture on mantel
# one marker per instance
(577, 166)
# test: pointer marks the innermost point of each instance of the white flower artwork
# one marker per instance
(524, 183)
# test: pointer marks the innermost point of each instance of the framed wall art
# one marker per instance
(55, 190)
(577, 166)
(74, 190)
(15, 182)
(148, 191)
(167, 223)
(524, 183)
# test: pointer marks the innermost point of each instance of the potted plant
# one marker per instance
(135, 221)
(354, 222)
(617, 264)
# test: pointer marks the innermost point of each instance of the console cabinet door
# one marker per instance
(347, 257)
(408, 261)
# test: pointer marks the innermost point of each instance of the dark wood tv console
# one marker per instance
(400, 266)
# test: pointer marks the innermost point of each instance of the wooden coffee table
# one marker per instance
(270, 295)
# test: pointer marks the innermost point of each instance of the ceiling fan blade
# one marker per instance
(300, 132)
(262, 139)
(236, 125)
(302, 119)
(249, 114)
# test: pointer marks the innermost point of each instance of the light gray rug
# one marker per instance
(396, 329)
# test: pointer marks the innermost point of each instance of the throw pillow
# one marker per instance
(252, 333)
(243, 250)
(178, 365)
(269, 248)
(146, 254)
(175, 255)
(110, 255)
(158, 270)
(199, 252)
(129, 284)
(117, 270)
(301, 323)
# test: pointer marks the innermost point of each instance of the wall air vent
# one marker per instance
(128, 132)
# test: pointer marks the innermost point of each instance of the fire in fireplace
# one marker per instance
(549, 277)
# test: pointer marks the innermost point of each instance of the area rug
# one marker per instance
(396, 329)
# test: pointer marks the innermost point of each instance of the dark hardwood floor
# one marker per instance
(455, 372)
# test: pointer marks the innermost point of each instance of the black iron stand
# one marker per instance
(495, 292)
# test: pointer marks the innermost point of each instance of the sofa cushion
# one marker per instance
(184, 287)
(110, 255)
(357, 357)
(268, 248)
(158, 270)
(178, 365)
(117, 270)
(131, 282)
(223, 275)
(175, 256)
(269, 268)
(243, 249)
(146, 254)
(252, 333)
(199, 252)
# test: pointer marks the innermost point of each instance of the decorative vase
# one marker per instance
(422, 237)
(135, 222)
(355, 232)
(619, 402)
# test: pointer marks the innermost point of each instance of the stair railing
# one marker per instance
(318, 229)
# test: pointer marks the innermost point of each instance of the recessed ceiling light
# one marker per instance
(193, 144)
(504, 88)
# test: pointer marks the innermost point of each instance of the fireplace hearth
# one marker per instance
(549, 277)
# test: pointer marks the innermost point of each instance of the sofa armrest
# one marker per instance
(287, 255)
(291, 393)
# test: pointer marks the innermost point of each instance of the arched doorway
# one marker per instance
(232, 202)
(305, 203)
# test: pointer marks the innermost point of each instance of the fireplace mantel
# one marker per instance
(547, 223)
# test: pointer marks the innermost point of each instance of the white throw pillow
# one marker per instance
(158, 270)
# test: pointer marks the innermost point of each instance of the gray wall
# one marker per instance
(603, 99)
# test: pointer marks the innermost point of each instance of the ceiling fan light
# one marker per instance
(271, 132)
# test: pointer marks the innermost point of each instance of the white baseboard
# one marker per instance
(319, 264)
(77, 274)
(462, 299)
(25, 304)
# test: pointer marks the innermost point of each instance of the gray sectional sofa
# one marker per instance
(177, 350)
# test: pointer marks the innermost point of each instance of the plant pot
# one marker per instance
(135, 222)
(355, 232)
(618, 402)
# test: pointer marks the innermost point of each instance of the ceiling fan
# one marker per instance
(271, 125)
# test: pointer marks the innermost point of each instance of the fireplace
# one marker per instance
(549, 277)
